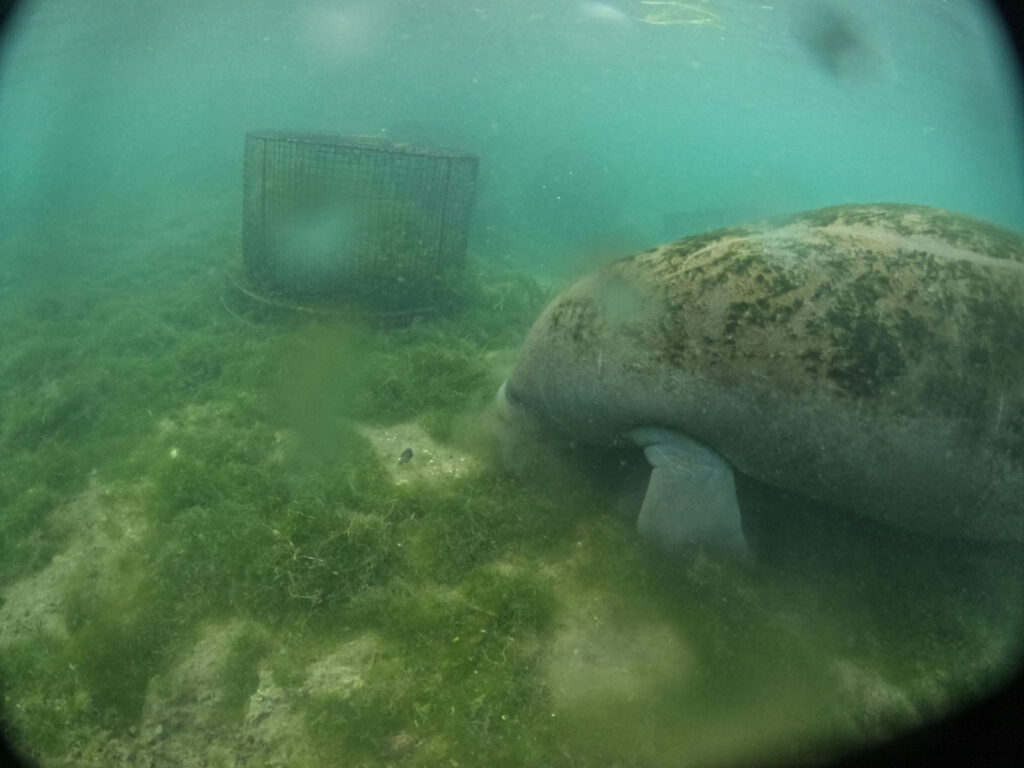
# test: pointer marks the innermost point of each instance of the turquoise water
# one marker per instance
(633, 132)
(204, 549)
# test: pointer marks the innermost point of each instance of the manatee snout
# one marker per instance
(525, 446)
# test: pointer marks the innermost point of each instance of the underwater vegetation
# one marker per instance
(204, 559)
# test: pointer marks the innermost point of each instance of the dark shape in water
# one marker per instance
(834, 42)
(406, 456)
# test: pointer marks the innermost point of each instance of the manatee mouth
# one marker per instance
(511, 407)
(506, 401)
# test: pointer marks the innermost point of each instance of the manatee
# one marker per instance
(867, 357)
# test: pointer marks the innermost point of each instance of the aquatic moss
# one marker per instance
(28, 537)
(263, 503)
(464, 685)
(117, 645)
(46, 700)
(410, 375)
(239, 677)
(253, 533)
(91, 366)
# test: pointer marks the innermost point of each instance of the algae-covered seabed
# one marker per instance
(211, 555)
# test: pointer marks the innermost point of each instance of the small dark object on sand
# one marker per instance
(406, 456)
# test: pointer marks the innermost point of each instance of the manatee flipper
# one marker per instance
(691, 496)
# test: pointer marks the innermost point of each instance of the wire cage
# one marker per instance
(329, 216)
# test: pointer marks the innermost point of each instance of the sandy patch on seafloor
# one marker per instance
(183, 724)
(105, 523)
(596, 657)
(431, 461)
(599, 655)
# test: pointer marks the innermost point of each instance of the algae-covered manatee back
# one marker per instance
(867, 356)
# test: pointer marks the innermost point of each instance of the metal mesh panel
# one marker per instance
(347, 216)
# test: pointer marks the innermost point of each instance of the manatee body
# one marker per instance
(869, 357)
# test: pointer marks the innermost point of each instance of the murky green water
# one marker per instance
(210, 551)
